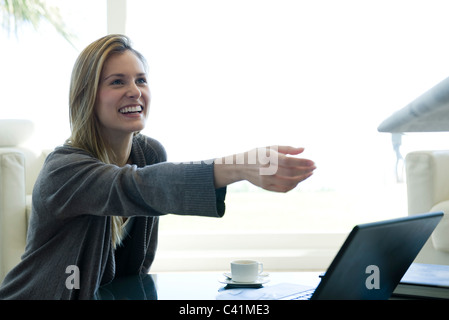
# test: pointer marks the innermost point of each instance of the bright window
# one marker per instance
(227, 76)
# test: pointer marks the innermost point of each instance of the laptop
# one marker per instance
(373, 259)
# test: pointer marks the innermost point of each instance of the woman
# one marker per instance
(98, 197)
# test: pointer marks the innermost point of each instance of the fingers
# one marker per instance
(288, 149)
(289, 171)
(292, 166)
(275, 152)
(293, 172)
(290, 162)
(286, 178)
(283, 160)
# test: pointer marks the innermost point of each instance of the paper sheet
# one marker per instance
(274, 292)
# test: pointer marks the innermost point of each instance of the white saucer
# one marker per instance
(263, 278)
(229, 275)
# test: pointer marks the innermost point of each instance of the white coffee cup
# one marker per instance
(245, 270)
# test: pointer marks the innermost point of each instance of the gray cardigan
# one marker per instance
(74, 198)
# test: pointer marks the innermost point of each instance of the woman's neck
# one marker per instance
(121, 149)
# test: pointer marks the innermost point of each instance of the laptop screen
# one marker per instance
(374, 258)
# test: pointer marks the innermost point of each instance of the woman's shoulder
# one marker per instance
(68, 158)
(67, 152)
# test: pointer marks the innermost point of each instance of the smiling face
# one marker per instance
(123, 96)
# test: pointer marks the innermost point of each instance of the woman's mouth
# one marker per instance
(131, 109)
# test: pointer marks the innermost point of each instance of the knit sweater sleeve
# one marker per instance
(72, 183)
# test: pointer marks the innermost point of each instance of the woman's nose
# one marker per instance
(134, 91)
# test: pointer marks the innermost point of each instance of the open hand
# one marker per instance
(269, 168)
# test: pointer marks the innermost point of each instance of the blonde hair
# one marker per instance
(85, 133)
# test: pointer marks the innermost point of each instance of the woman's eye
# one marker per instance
(141, 81)
(117, 82)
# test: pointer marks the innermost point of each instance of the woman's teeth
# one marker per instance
(131, 109)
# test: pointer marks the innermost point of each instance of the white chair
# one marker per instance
(19, 167)
(427, 174)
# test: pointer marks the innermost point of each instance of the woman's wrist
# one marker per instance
(228, 170)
